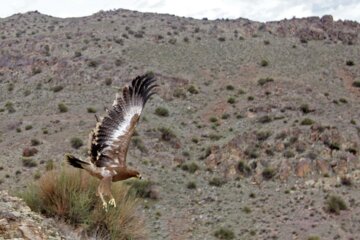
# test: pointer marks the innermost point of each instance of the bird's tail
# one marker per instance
(75, 162)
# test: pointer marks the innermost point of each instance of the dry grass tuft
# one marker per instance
(71, 196)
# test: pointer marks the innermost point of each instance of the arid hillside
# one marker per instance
(254, 132)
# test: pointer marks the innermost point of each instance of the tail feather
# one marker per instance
(75, 162)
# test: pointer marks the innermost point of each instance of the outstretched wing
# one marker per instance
(110, 139)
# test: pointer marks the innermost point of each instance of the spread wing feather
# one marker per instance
(110, 139)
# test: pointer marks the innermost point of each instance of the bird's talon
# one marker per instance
(105, 207)
(112, 202)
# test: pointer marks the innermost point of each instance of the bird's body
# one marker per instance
(110, 139)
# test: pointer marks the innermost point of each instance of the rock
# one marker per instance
(18, 221)
(322, 166)
(303, 167)
(284, 170)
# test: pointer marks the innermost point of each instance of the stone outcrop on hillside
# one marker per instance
(17, 221)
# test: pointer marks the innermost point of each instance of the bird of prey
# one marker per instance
(109, 141)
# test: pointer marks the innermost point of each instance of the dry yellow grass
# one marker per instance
(70, 195)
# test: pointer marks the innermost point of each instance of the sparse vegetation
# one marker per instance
(356, 84)
(71, 197)
(231, 100)
(263, 81)
(76, 142)
(268, 173)
(57, 88)
(334, 204)
(28, 162)
(264, 63)
(217, 182)
(162, 112)
(191, 185)
(224, 234)
(190, 167)
(350, 63)
(307, 121)
(91, 110)
(167, 134)
(62, 107)
(192, 89)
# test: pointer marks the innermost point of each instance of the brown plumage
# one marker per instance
(109, 141)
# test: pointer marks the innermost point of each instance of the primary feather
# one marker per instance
(110, 139)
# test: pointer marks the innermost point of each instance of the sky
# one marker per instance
(259, 10)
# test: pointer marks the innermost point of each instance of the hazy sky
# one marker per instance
(260, 10)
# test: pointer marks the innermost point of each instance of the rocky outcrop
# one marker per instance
(17, 221)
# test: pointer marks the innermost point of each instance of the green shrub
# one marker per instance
(190, 167)
(217, 182)
(305, 108)
(192, 89)
(76, 142)
(28, 127)
(93, 63)
(62, 107)
(356, 84)
(162, 112)
(213, 119)
(108, 81)
(230, 87)
(265, 119)
(10, 107)
(221, 39)
(264, 63)
(350, 63)
(231, 100)
(36, 70)
(137, 141)
(334, 204)
(243, 168)
(268, 173)
(28, 162)
(166, 134)
(191, 185)
(246, 210)
(35, 142)
(307, 121)
(57, 88)
(313, 238)
(263, 135)
(263, 81)
(71, 197)
(91, 110)
(49, 165)
(224, 234)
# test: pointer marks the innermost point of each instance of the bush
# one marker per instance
(264, 63)
(268, 173)
(334, 204)
(29, 152)
(307, 121)
(224, 234)
(305, 108)
(166, 134)
(108, 81)
(10, 107)
(263, 81)
(91, 110)
(62, 107)
(35, 142)
(356, 84)
(191, 185)
(141, 188)
(263, 135)
(190, 167)
(217, 182)
(193, 90)
(230, 87)
(243, 168)
(265, 119)
(49, 165)
(76, 143)
(93, 63)
(28, 127)
(221, 39)
(231, 100)
(71, 197)
(57, 88)
(162, 112)
(28, 162)
(350, 63)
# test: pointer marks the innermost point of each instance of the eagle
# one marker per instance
(109, 140)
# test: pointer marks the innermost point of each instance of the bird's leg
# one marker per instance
(105, 186)
(102, 199)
